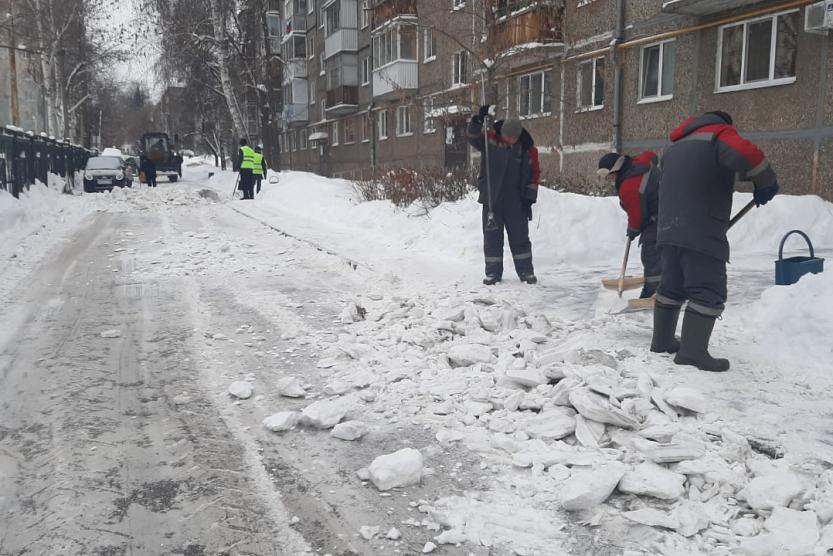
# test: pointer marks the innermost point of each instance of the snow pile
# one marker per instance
(399, 469)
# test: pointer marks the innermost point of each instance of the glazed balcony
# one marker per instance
(523, 24)
(341, 27)
(704, 8)
(383, 11)
(342, 101)
(295, 114)
(294, 69)
(401, 75)
(294, 24)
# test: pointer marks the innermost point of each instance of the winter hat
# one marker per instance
(511, 128)
(722, 115)
(610, 163)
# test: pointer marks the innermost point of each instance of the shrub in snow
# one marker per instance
(402, 468)
(404, 187)
(241, 389)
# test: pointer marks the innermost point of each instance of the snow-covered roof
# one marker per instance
(318, 136)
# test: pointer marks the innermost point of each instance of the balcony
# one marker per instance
(342, 101)
(524, 25)
(703, 8)
(386, 10)
(294, 69)
(295, 114)
(401, 75)
(343, 40)
(294, 24)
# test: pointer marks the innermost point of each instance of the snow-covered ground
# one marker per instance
(548, 400)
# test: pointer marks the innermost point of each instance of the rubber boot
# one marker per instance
(528, 278)
(694, 346)
(665, 326)
(492, 279)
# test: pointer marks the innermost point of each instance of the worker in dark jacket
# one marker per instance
(508, 188)
(637, 184)
(148, 167)
(246, 164)
(695, 205)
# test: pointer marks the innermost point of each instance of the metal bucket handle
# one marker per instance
(784, 239)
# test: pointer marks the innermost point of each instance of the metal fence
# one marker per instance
(26, 157)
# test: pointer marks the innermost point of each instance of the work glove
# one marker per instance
(487, 110)
(763, 195)
(632, 233)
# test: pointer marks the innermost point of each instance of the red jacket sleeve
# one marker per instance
(536, 167)
(629, 198)
(744, 157)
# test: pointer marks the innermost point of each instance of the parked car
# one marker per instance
(106, 172)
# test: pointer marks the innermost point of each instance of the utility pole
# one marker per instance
(13, 67)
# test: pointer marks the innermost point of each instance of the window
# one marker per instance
(332, 18)
(302, 140)
(311, 46)
(273, 23)
(321, 64)
(349, 131)
(311, 6)
(656, 77)
(334, 134)
(312, 86)
(459, 73)
(535, 94)
(292, 141)
(397, 42)
(408, 42)
(294, 48)
(457, 4)
(365, 13)
(403, 121)
(757, 53)
(429, 46)
(286, 91)
(429, 122)
(591, 84)
(366, 70)
(382, 122)
(365, 127)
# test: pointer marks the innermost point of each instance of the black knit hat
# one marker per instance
(611, 162)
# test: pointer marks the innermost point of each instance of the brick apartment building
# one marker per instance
(390, 83)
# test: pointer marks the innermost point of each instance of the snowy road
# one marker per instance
(118, 435)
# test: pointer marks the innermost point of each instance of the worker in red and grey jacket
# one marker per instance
(512, 175)
(637, 184)
(695, 205)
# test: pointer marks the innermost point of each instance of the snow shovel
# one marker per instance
(235, 187)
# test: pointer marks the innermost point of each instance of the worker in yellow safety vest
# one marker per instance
(260, 167)
(246, 165)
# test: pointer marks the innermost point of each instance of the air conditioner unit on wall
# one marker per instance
(818, 17)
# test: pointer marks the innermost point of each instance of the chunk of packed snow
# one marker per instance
(336, 388)
(368, 532)
(691, 518)
(686, 398)
(464, 355)
(527, 378)
(589, 433)
(773, 490)
(429, 547)
(552, 424)
(111, 334)
(587, 489)
(652, 517)
(349, 430)
(393, 534)
(241, 389)
(797, 532)
(283, 421)
(324, 414)
(290, 387)
(596, 408)
(452, 536)
(401, 468)
(650, 479)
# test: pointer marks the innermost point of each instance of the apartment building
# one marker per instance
(391, 83)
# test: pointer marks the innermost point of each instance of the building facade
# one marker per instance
(378, 84)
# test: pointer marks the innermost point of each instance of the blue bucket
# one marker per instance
(788, 271)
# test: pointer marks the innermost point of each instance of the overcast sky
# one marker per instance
(141, 46)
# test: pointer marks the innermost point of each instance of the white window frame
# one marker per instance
(772, 81)
(408, 119)
(312, 92)
(334, 132)
(659, 97)
(382, 124)
(302, 144)
(348, 123)
(542, 113)
(366, 71)
(594, 106)
(365, 128)
(455, 67)
(310, 47)
(310, 6)
(428, 44)
(321, 65)
(458, 4)
(364, 16)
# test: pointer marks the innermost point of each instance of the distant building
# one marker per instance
(30, 105)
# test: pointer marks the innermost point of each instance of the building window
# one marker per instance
(591, 84)
(535, 94)
(292, 141)
(365, 119)
(332, 18)
(397, 42)
(458, 4)
(334, 134)
(429, 122)
(366, 70)
(302, 140)
(311, 46)
(321, 64)
(757, 53)
(656, 74)
(312, 84)
(382, 122)
(273, 24)
(311, 6)
(349, 131)
(429, 46)
(365, 13)
(403, 121)
(459, 70)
